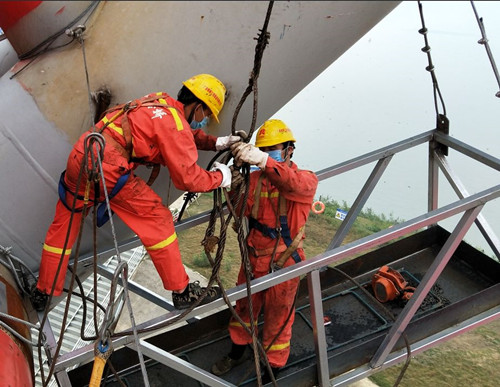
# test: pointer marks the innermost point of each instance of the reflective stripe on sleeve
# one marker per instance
(266, 194)
(55, 250)
(163, 243)
(177, 119)
(113, 126)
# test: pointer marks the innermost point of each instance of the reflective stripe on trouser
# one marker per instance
(277, 302)
(53, 248)
(138, 206)
(142, 210)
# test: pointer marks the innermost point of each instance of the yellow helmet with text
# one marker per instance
(273, 132)
(208, 89)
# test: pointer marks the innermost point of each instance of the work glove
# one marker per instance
(247, 153)
(226, 174)
(237, 178)
(226, 141)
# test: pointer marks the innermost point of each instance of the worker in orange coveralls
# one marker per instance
(280, 195)
(155, 129)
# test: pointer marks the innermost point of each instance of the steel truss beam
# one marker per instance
(461, 192)
(469, 205)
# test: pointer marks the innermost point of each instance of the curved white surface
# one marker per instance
(138, 47)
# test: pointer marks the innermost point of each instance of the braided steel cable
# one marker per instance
(484, 42)
(121, 268)
(430, 68)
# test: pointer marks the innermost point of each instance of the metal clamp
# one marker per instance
(76, 32)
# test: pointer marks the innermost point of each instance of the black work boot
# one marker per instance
(38, 299)
(192, 293)
(266, 378)
(231, 360)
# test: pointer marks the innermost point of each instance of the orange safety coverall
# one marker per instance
(160, 135)
(298, 187)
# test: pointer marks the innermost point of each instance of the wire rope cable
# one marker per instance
(122, 268)
(430, 68)
(45, 45)
(484, 41)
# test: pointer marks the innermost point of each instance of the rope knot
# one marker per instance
(209, 243)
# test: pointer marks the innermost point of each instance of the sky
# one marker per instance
(379, 93)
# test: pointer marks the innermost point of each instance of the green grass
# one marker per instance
(471, 359)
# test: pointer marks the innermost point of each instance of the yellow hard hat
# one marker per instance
(208, 89)
(273, 132)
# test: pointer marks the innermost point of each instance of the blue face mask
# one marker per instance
(199, 124)
(276, 155)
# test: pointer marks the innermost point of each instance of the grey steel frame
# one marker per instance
(469, 205)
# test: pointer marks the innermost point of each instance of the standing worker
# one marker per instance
(280, 197)
(153, 130)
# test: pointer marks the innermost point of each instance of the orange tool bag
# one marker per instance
(389, 284)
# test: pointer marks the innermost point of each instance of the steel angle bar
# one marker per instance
(50, 346)
(396, 357)
(62, 378)
(315, 300)
(180, 365)
(368, 242)
(136, 242)
(86, 353)
(129, 244)
(138, 289)
(425, 285)
(468, 150)
(360, 201)
(375, 155)
(433, 180)
(484, 227)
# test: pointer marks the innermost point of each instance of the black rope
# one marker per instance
(262, 41)
(93, 174)
(39, 48)
(90, 143)
(217, 212)
(45, 46)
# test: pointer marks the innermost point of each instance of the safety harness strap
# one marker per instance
(124, 109)
(258, 189)
(126, 152)
(291, 249)
(273, 233)
(102, 209)
(62, 189)
(270, 250)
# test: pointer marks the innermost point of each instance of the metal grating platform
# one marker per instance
(468, 286)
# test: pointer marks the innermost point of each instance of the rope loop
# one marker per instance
(111, 315)
(94, 143)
